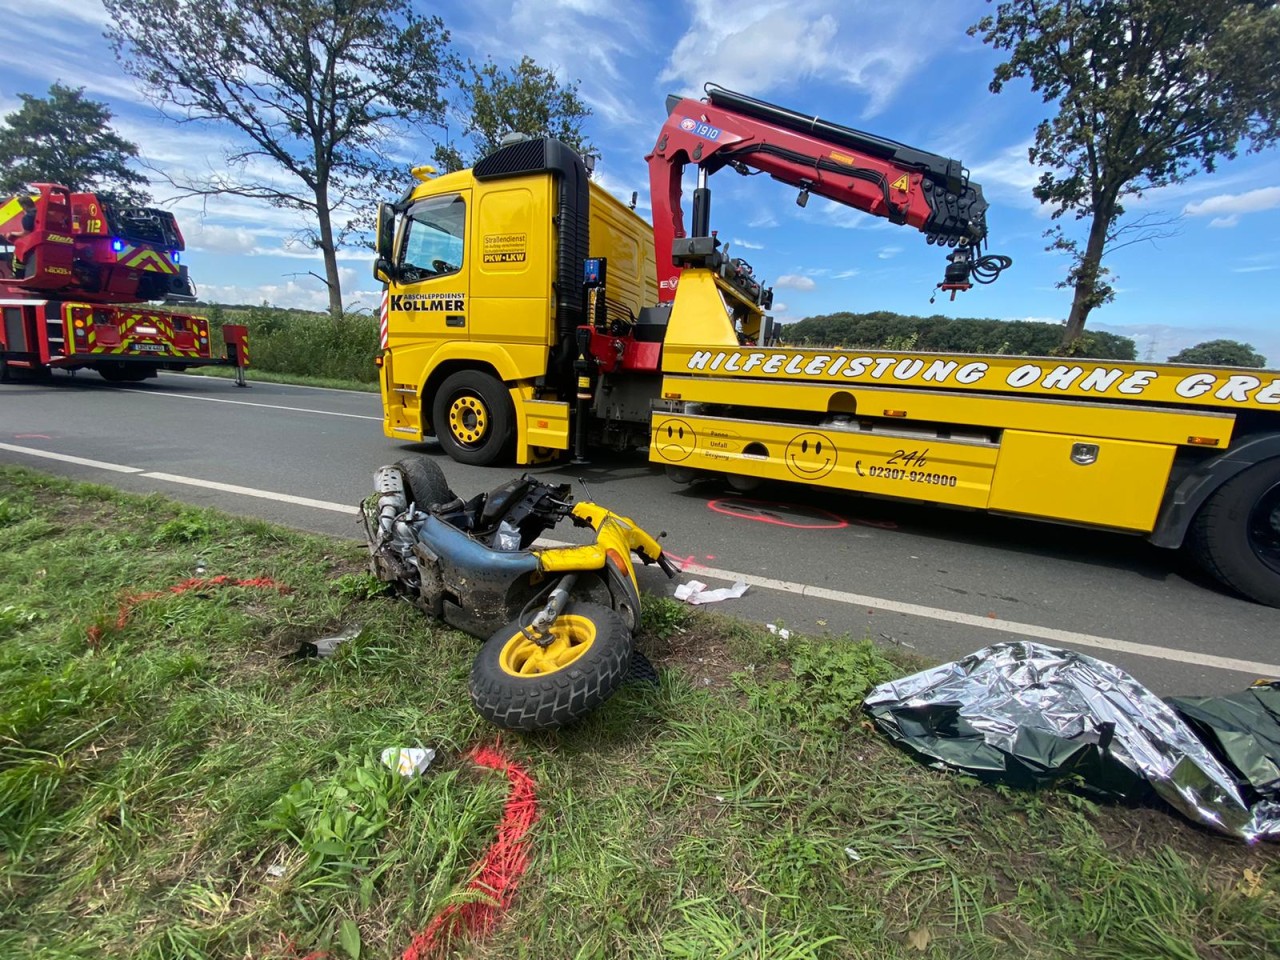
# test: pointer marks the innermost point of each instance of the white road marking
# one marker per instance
(259, 494)
(1066, 637)
(67, 458)
(249, 403)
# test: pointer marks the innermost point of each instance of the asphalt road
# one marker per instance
(942, 583)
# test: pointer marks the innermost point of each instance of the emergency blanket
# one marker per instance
(1028, 714)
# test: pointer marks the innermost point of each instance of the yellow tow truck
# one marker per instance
(526, 316)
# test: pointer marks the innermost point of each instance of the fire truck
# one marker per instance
(76, 273)
(528, 314)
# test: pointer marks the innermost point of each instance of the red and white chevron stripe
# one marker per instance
(382, 326)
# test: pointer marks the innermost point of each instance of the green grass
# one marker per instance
(153, 784)
(313, 347)
(297, 379)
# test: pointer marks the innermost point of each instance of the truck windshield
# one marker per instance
(434, 234)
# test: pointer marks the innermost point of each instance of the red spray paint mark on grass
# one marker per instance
(499, 870)
(131, 600)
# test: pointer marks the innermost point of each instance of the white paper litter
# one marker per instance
(782, 632)
(696, 592)
(408, 761)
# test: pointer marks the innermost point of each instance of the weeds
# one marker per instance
(184, 789)
(304, 344)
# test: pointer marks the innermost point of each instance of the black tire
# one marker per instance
(473, 418)
(424, 482)
(552, 695)
(1236, 534)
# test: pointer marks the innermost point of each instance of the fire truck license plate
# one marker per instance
(154, 347)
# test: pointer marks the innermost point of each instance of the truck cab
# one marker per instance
(486, 292)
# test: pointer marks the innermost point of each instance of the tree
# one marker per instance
(1148, 92)
(66, 138)
(525, 98)
(317, 89)
(884, 330)
(1221, 353)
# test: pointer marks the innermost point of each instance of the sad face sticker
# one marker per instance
(674, 440)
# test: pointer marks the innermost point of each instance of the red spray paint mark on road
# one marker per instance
(131, 600)
(778, 514)
(499, 871)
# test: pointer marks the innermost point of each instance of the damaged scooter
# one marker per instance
(558, 623)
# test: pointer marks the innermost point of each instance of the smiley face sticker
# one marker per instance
(675, 440)
(811, 455)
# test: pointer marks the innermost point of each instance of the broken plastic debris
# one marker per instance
(782, 632)
(408, 761)
(276, 870)
(696, 592)
(852, 854)
(327, 646)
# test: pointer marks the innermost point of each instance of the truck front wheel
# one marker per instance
(473, 418)
(1236, 534)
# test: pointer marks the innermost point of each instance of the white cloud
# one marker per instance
(762, 220)
(778, 308)
(846, 274)
(1256, 269)
(762, 45)
(793, 281)
(747, 244)
(211, 238)
(1230, 205)
(620, 189)
(578, 40)
(888, 253)
(1230, 221)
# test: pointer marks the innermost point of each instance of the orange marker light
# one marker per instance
(1203, 441)
(895, 413)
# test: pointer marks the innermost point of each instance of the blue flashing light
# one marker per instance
(117, 246)
(177, 258)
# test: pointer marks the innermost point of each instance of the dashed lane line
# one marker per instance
(1066, 637)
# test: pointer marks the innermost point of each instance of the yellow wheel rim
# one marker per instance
(468, 419)
(571, 637)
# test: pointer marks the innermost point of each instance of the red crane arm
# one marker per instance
(857, 169)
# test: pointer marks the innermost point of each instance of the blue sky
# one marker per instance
(904, 70)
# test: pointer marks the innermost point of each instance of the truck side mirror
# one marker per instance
(383, 270)
(386, 231)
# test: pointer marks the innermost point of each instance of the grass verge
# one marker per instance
(182, 788)
(296, 379)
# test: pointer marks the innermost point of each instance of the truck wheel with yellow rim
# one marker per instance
(1236, 534)
(473, 418)
(519, 683)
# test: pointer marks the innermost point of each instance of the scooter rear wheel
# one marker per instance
(518, 684)
(425, 483)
